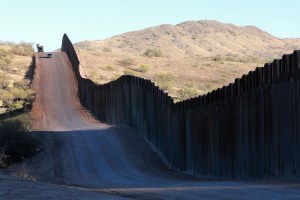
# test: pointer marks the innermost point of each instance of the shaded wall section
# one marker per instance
(248, 129)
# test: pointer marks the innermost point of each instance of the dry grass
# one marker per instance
(205, 54)
(16, 143)
(15, 60)
(204, 74)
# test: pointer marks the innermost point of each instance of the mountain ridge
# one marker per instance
(202, 36)
(206, 53)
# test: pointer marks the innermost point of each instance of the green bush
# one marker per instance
(16, 143)
(127, 62)
(129, 72)
(15, 105)
(16, 98)
(164, 80)
(164, 77)
(187, 92)
(94, 75)
(110, 68)
(150, 53)
(6, 97)
(115, 77)
(143, 68)
(20, 93)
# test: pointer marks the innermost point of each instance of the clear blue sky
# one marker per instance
(45, 22)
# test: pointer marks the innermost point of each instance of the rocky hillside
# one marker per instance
(186, 59)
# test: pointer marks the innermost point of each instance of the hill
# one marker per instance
(187, 59)
(15, 63)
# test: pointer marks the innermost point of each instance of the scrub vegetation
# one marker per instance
(16, 142)
(207, 54)
(15, 75)
(16, 97)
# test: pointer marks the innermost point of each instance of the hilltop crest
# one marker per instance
(205, 54)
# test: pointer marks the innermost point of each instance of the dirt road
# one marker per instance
(83, 155)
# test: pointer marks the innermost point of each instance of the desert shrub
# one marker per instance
(15, 105)
(107, 49)
(22, 84)
(164, 80)
(187, 92)
(150, 53)
(5, 62)
(208, 85)
(3, 53)
(250, 59)
(4, 82)
(21, 93)
(129, 72)
(16, 98)
(94, 75)
(164, 77)
(6, 97)
(217, 57)
(143, 68)
(115, 77)
(16, 143)
(127, 62)
(22, 49)
(165, 85)
(110, 68)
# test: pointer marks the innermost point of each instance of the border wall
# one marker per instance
(248, 129)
